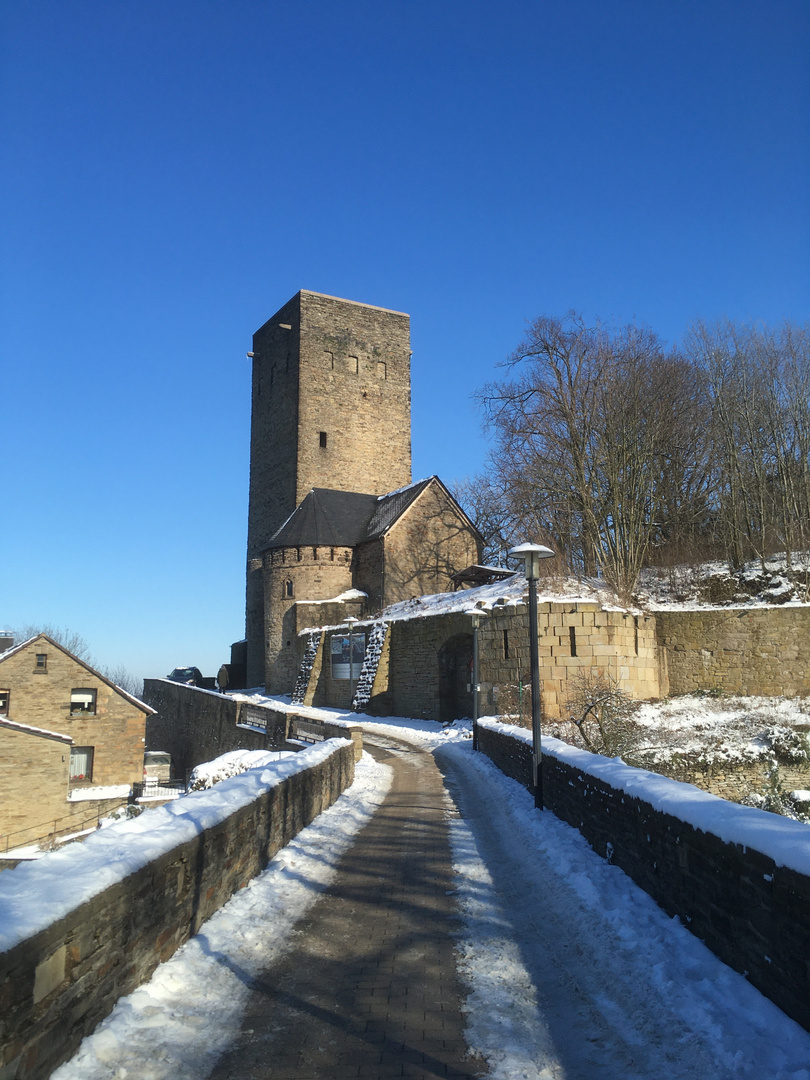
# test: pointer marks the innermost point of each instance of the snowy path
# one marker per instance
(576, 973)
(573, 973)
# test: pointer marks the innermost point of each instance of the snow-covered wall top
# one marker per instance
(785, 841)
(37, 894)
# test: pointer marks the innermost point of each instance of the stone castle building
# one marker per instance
(333, 512)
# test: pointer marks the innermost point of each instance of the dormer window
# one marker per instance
(82, 701)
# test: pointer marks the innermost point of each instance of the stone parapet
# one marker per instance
(57, 985)
(751, 912)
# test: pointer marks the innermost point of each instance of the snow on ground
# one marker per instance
(176, 1025)
(572, 971)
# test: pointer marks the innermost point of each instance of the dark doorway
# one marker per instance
(455, 678)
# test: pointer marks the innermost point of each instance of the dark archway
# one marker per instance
(455, 678)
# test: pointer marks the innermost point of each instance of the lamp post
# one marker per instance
(352, 621)
(475, 617)
(531, 554)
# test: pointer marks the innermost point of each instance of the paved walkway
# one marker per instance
(370, 990)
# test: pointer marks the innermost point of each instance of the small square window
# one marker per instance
(322, 439)
(5, 695)
(82, 701)
(81, 763)
(42, 662)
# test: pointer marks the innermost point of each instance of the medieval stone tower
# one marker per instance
(331, 408)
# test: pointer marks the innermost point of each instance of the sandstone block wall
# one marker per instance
(753, 914)
(428, 661)
(574, 638)
(33, 786)
(759, 651)
(56, 986)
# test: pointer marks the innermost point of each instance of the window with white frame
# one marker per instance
(82, 701)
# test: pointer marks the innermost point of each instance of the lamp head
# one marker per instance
(531, 554)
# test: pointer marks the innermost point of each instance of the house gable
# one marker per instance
(51, 689)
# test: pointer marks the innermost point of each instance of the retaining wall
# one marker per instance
(750, 908)
(757, 651)
(195, 725)
(58, 983)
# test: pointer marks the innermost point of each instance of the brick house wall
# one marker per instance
(34, 772)
(40, 697)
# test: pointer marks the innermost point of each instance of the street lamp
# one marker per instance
(531, 554)
(352, 621)
(475, 617)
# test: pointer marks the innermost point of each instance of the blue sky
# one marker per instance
(173, 172)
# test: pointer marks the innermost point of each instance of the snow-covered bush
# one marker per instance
(231, 764)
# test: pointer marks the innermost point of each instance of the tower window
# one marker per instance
(572, 637)
(289, 589)
(506, 644)
(382, 370)
(322, 439)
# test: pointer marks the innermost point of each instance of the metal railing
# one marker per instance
(47, 834)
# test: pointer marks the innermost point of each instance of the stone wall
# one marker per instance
(195, 725)
(758, 651)
(574, 638)
(56, 986)
(330, 408)
(314, 573)
(753, 914)
(426, 670)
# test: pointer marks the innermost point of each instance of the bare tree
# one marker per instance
(585, 428)
(62, 635)
(757, 385)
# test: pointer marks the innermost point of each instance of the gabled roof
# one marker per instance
(328, 518)
(55, 644)
(389, 508)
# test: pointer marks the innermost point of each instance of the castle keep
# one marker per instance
(333, 513)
